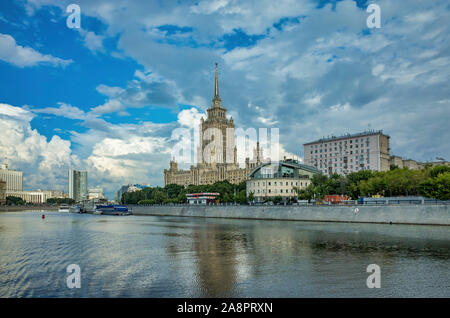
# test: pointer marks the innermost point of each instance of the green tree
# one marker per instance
(12, 200)
(277, 199)
(251, 197)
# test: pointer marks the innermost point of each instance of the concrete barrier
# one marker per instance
(395, 214)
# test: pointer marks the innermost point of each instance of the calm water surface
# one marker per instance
(145, 256)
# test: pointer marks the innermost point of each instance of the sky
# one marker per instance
(107, 96)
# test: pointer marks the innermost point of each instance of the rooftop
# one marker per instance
(346, 136)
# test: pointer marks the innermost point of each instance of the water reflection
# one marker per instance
(195, 257)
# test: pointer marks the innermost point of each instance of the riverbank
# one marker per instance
(391, 214)
(16, 208)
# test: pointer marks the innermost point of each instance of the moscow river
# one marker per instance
(148, 256)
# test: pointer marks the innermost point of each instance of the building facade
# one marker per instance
(95, 193)
(368, 150)
(219, 162)
(270, 180)
(36, 197)
(12, 178)
(78, 185)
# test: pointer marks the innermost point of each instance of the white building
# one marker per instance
(368, 150)
(36, 197)
(281, 179)
(96, 193)
(12, 178)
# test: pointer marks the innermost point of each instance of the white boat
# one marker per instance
(64, 208)
(74, 209)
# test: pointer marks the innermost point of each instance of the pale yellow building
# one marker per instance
(216, 166)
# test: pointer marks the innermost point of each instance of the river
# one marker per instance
(151, 256)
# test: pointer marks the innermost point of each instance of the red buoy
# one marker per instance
(43, 216)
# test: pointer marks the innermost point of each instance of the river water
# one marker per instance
(149, 256)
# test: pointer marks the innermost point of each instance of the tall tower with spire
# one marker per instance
(217, 118)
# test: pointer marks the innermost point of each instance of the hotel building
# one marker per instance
(368, 150)
(216, 168)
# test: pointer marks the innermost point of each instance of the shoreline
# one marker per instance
(6, 208)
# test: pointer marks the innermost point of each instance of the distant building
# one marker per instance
(2, 192)
(399, 162)
(12, 178)
(349, 153)
(129, 188)
(78, 185)
(270, 180)
(95, 193)
(37, 196)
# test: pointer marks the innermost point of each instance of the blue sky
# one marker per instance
(107, 97)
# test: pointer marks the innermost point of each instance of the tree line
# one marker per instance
(173, 193)
(431, 182)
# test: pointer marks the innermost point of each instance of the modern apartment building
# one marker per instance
(78, 185)
(368, 150)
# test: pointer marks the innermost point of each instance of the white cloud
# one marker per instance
(110, 106)
(190, 117)
(92, 41)
(22, 56)
(64, 110)
(42, 162)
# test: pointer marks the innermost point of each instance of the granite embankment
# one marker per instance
(15, 208)
(395, 214)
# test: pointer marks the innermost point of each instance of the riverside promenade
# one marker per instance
(428, 214)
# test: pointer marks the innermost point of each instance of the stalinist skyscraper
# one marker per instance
(216, 158)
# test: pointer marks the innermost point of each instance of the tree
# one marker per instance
(12, 200)
(251, 197)
(277, 199)
(437, 188)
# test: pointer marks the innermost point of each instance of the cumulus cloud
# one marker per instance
(21, 56)
(190, 117)
(42, 162)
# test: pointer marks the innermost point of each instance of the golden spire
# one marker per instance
(216, 99)
(216, 90)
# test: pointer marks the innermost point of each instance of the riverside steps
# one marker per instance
(428, 214)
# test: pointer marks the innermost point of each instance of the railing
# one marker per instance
(342, 203)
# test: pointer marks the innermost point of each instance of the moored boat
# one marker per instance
(63, 208)
(74, 209)
(111, 209)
